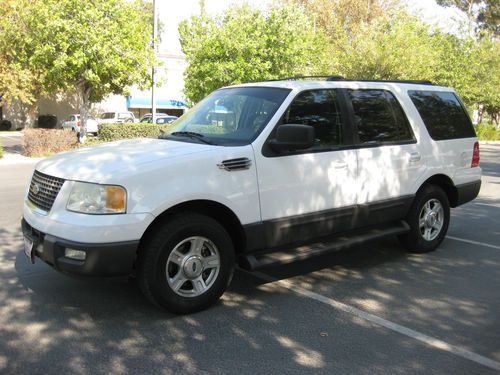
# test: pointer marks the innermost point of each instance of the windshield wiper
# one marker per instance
(194, 135)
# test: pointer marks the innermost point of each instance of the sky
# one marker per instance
(445, 18)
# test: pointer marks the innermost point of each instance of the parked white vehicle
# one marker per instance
(161, 118)
(252, 174)
(113, 117)
(73, 123)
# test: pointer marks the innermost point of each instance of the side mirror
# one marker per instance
(292, 137)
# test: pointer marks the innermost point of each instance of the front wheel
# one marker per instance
(187, 264)
(428, 218)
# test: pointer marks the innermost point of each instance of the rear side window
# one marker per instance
(443, 114)
(379, 117)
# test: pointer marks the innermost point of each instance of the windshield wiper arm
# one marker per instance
(194, 135)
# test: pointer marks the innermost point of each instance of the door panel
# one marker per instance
(318, 179)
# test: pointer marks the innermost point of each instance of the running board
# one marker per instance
(278, 257)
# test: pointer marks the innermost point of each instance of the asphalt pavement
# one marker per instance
(373, 309)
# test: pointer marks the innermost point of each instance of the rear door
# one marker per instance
(389, 158)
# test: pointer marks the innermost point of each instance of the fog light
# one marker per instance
(74, 254)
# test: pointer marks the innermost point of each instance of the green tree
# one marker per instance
(18, 79)
(243, 44)
(92, 48)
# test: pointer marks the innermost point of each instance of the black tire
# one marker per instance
(183, 233)
(424, 237)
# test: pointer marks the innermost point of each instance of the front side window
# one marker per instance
(443, 114)
(231, 116)
(379, 117)
(319, 109)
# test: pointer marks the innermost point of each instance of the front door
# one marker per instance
(309, 193)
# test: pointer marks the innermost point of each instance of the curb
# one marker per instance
(489, 142)
(11, 134)
(12, 159)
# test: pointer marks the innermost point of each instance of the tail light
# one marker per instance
(475, 156)
(78, 123)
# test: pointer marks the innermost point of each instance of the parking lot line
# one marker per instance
(487, 204)
(431, 341)
(474, 242)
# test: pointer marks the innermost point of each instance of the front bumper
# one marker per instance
(103, 259)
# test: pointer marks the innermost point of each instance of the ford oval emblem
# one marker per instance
(36, 189)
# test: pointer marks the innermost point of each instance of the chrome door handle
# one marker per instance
(340, 165)
(415, 157)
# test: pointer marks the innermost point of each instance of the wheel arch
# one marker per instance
(215, 210)
(445, 183)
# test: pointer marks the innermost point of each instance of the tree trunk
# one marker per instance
(84, 107)
(28, 114)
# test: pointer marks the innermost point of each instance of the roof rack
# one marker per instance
(409, 81)
(340, 78)
(296, 78)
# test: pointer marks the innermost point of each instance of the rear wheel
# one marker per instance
(428, 218)
(187, 265)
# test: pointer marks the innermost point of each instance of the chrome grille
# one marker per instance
(43, 190)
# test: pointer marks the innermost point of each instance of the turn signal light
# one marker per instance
(115, 198)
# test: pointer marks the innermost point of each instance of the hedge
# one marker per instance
(487, 132)
(44, 142)
(5, 125)
(116, 131)
(47, 121)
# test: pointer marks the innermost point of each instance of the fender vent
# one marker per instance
(235, 164)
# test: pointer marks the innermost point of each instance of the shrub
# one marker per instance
(487, 132)
(5, 125)
(44, 142)
(113, 132)
(47, 121)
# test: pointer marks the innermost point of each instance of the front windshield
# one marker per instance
(231, 116)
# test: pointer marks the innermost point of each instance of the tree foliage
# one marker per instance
(244, 44)
(484, 13)
(18, 79)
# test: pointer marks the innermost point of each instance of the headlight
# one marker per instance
(97, 199)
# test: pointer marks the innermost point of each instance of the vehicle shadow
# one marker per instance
(50, 322)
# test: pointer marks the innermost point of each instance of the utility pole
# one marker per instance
(153, 70)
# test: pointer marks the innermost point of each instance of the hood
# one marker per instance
(101, 162)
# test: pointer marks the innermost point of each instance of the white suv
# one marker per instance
(113, 117)
(250, 176)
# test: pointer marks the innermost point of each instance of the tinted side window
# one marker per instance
(379, 117)
(319, 109)
(443, 114)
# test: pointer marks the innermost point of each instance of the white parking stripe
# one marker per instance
(474, 242)
(487, 204)
(431, 341)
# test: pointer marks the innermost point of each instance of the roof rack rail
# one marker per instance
(410, 81)
(340, 78)
(296, 78)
